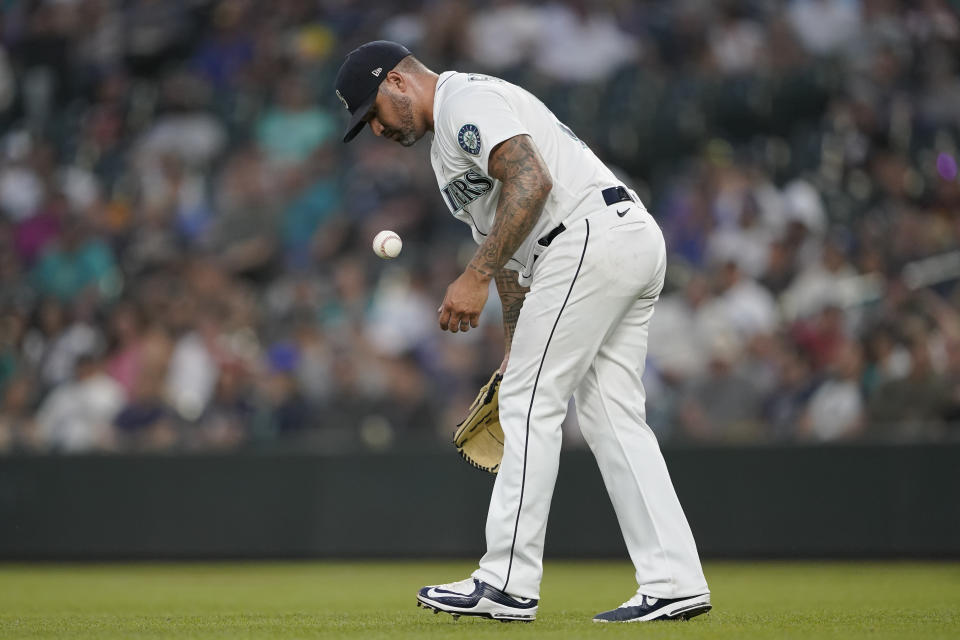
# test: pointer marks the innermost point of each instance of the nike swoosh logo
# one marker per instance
(434, 592)
(622, 213)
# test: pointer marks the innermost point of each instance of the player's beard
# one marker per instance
(407, 131)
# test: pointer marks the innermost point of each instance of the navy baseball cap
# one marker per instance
(360, 76)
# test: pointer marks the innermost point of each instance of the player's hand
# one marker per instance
(464, 301)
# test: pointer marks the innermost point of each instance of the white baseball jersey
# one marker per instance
(472, 114)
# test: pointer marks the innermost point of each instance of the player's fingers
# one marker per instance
(444, 318)
(475, 320)
(454, 324)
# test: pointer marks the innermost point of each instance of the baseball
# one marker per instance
(387, 244)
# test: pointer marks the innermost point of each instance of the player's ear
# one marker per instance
(395, 80)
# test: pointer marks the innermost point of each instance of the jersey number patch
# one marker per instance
(469, 139)
(567, 130)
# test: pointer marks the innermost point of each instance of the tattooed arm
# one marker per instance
(512, 294)
(526, 183)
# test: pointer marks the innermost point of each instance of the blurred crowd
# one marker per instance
(185, 258)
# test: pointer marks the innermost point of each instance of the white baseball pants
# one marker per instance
(583, 332)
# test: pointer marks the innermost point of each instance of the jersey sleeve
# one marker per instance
(478, 119)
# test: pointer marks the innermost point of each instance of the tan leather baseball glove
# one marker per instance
(479, 438)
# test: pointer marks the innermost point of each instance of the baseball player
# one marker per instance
(578, 263)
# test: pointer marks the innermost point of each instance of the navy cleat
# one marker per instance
(641, 608)
(472, 597)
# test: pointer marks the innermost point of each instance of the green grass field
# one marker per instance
(376, 600)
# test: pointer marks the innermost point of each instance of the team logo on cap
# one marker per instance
(469, 139)
(343, 100)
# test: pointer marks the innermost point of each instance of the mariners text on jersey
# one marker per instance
(463, 190)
